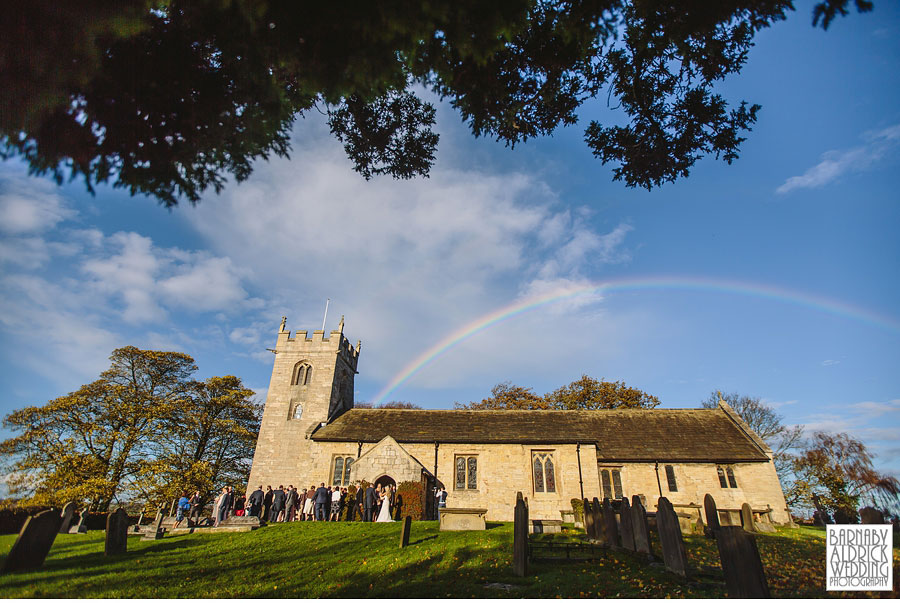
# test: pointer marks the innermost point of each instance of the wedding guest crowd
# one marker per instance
(316, 504)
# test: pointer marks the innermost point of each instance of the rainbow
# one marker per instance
(632, 284)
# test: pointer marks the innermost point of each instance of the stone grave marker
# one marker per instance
(404, 531)
(670, 538)
(520, 537)
(81, 528)
(747, 517)
(597, 513)
(626, 532)
(155, 531)
(610, 526)
(743, 569)
(158, 514)
(588, 518)
(173, 507)
(116, 532)
(136, 528)
(34, 541)
(68, 511)
(639, 526)
(870, 515)
(712, 514)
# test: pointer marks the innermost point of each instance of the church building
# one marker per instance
(311, 433)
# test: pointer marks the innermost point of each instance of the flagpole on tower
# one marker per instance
(326, 313)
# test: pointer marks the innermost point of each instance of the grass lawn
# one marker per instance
(358, 560)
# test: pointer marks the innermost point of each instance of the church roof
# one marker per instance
(621, 435)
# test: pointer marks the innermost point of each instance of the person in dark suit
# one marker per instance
(225, 505)
(255, 501)
(267, 502)
(322, 501)
(357, 504)
(277, 504)
(369, 503)
(289, 503)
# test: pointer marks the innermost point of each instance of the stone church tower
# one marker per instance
(312, 384)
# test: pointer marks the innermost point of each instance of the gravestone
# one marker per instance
(81, 528)
(670, 538)
(588, 518)
(117, 532)
(136, 528)
(609, 524)
(747, 518)
(712, 514)
(639, 526)
(159, 513)
(520, 537)
(155, 531)
(870, 515)
(597, 513)
(68, 512)
(744, 574)
(34, 541)
(404, 531)
(626, 532)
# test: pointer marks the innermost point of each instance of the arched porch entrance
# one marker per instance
(384, 481)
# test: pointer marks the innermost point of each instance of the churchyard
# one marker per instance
(358, 560)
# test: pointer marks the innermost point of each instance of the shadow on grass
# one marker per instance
(421, 540)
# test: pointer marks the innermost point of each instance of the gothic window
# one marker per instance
(544, 472)
(341, 473)
(298, 412)
(731, 481)
(722, 481)
(467, 473)
(302, 374)
(670, 476)
(611, 481)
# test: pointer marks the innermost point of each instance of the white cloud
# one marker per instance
(836, 163)
(830, 362)
(29, 205)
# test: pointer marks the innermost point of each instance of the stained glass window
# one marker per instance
(670, 476)
(617, 483)
(538, 474)
(467, 473)
(338, 471)
(722, 481)
(543, 472)
(731, 481)
(460, 473)
(472, 482)
(607, 484)
(551, 474)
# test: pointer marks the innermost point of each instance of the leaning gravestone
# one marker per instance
(609, 524)
(155, 531)
(404, 531)
(670, 537)
(68, 512)
(81, 528)
(743, 569)
(747, 518)
(34, 541)
(625, 530)
(117, 532)
(520, 537)
(870, 515)
(588, 518)
(712, 514)
(597, 514)
(639, 526)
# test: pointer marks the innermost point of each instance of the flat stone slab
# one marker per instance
(546, 526)
(457, 519)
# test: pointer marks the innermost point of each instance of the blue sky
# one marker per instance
(810, 210)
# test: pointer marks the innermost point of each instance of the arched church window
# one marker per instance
(302, 374)
(467, 473)
(544, 472)
(722, 481)
(670, 477)
(731, 481)
(340, 476)
(611, 482)
(298, 412)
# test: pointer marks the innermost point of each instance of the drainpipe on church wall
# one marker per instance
(658, 483)
(435, 463)
(580, 481)
(358, 449)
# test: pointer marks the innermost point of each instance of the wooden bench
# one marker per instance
(457, 519)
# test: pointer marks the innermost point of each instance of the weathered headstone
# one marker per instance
(173, 507)
(609, 524)
(117, 532)
(744, 574)
(588, 518)
(155, 531)
(520, 537)
(404, 531)
(34, 541)
(597, 513)
(639, 526)
(747, 517)
(81, 528)
(626, 532)
(136, 528)
(68, 511)
(670, 538)
(712, 514)
(870, 515)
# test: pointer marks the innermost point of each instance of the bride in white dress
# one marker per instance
(385, 513)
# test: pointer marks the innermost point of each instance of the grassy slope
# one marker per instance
(354, 559)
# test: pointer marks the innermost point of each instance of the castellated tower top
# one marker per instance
(302, 343)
